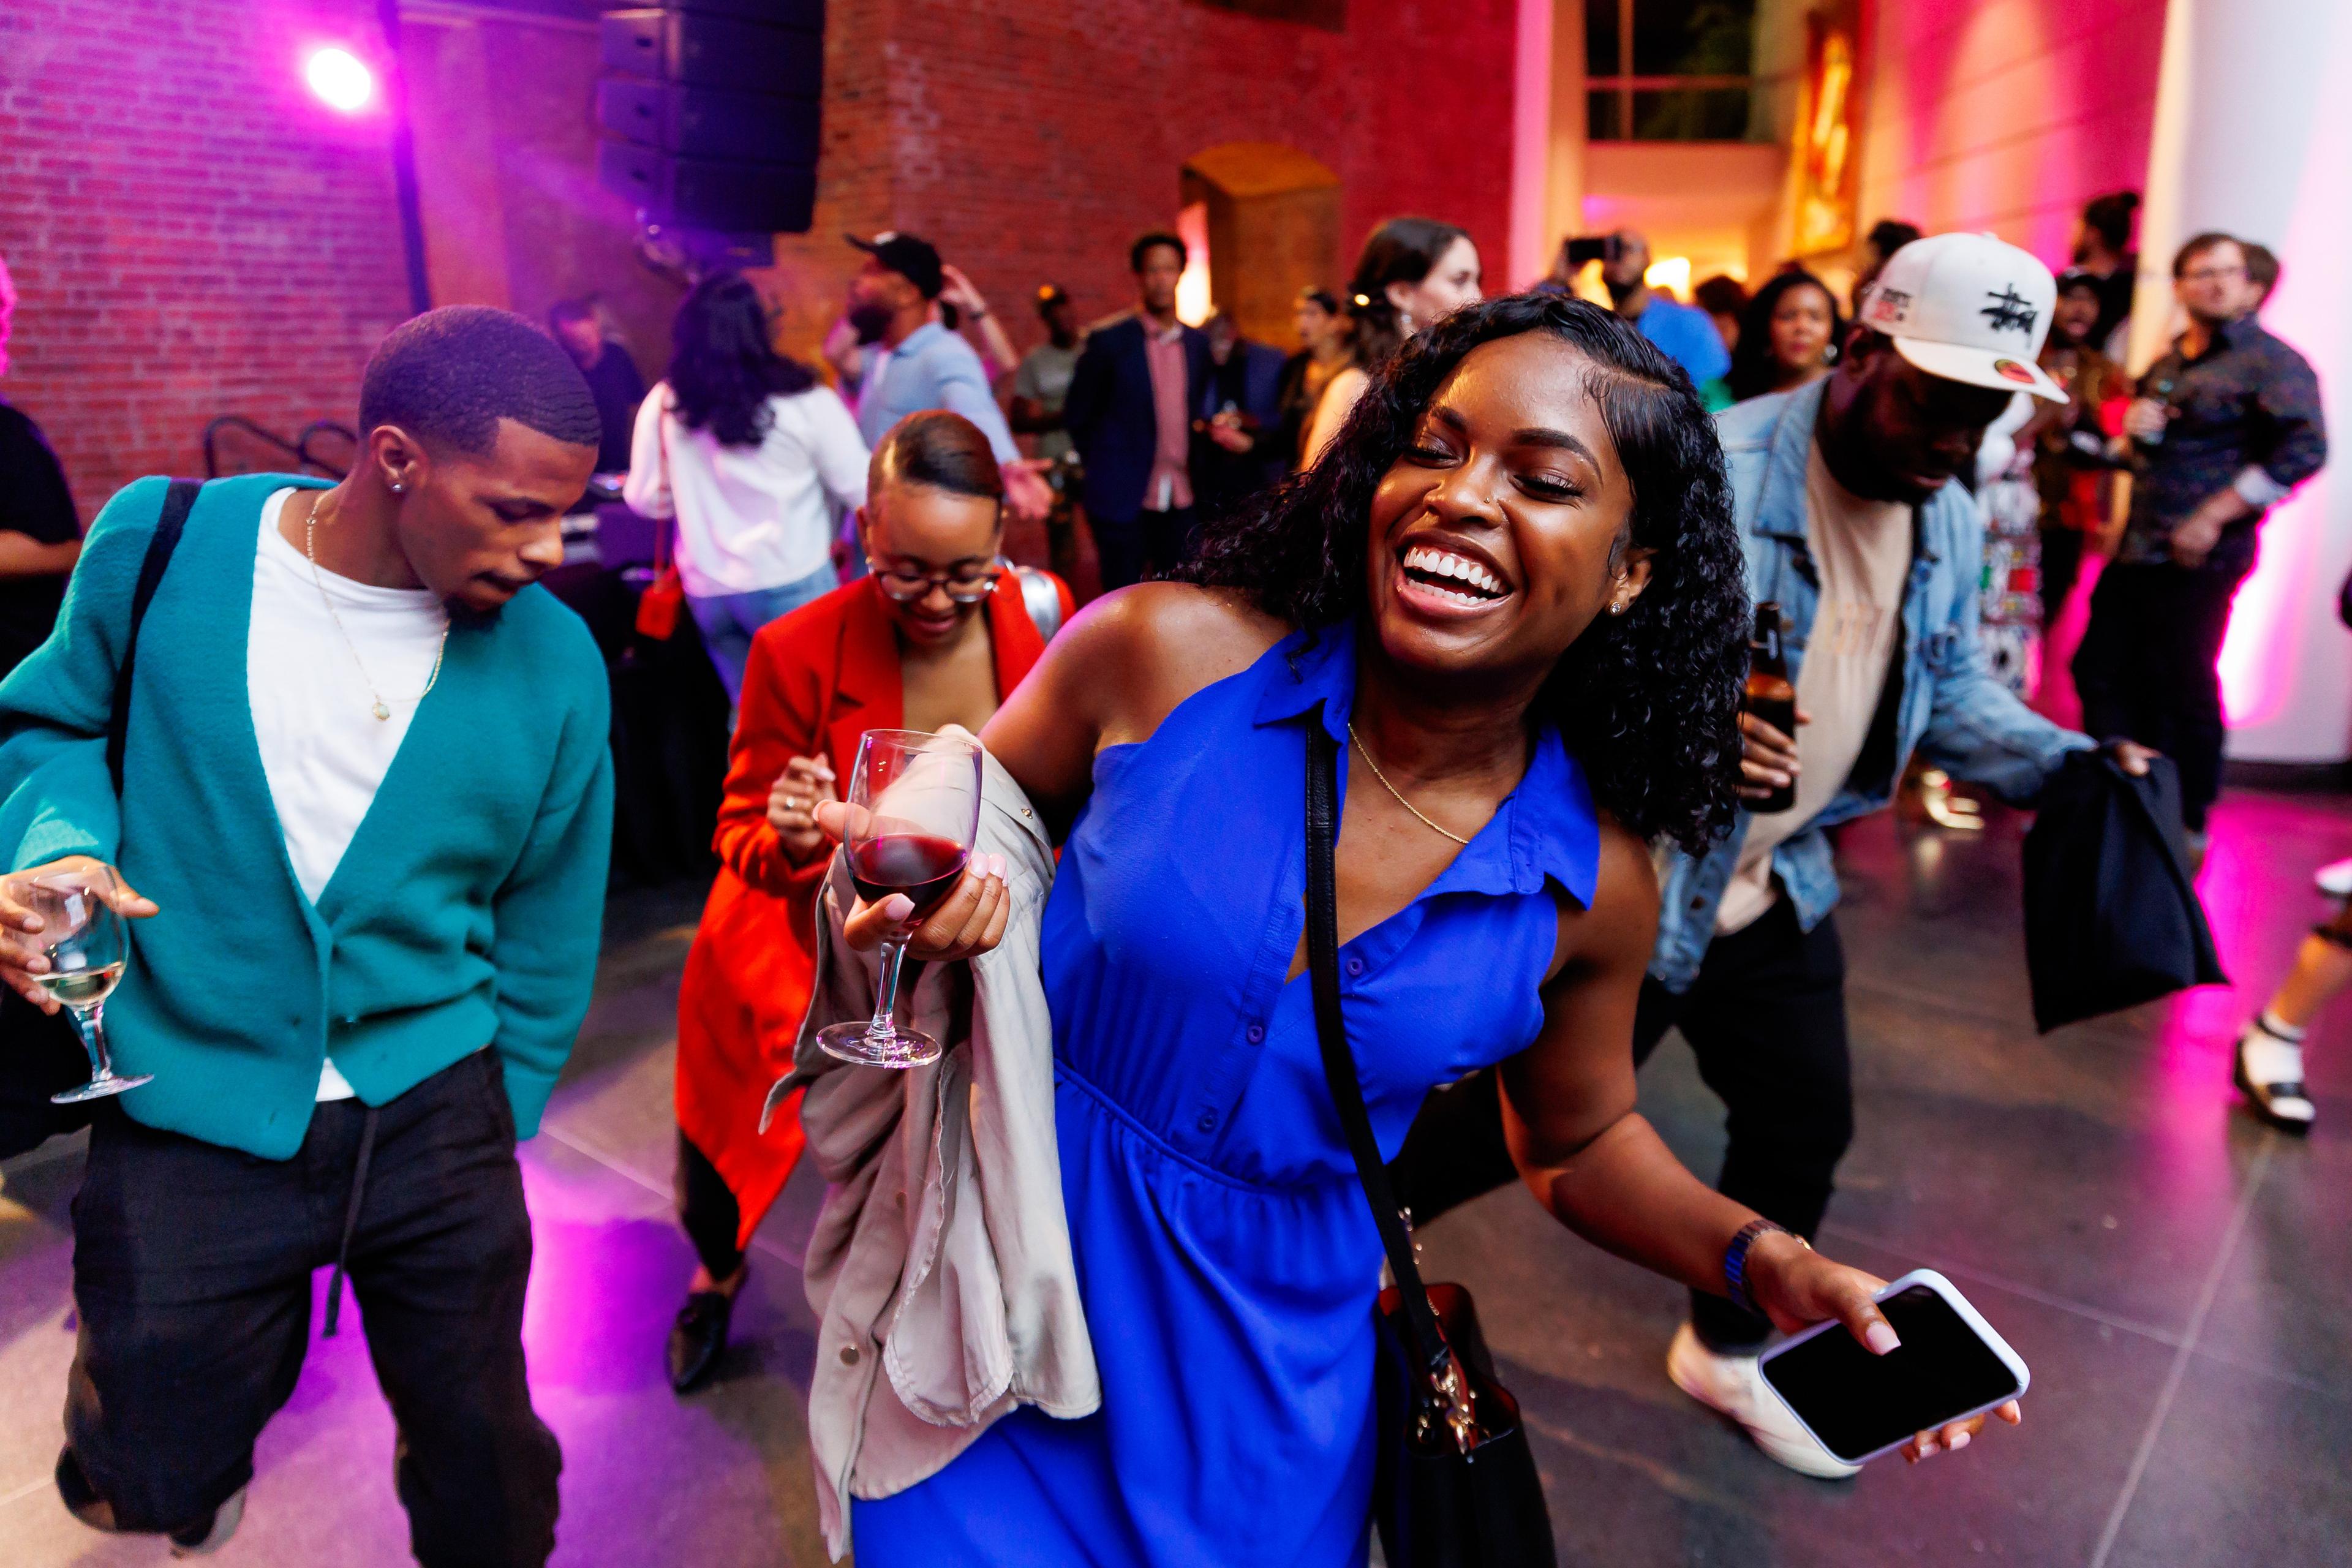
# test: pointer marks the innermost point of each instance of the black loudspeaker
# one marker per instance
(709, 112)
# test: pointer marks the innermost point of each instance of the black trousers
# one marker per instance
(1766, 1017)
(707, 1210)
(192, 1273)
(1148, 542)
(2145, 669)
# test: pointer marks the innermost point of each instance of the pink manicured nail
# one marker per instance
(1003, 867)
(898, 906)
(1959, 1441)
(1880, 1338)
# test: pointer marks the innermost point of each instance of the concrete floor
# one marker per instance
(2176, 1276)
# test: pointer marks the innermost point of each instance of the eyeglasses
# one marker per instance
(968, 586)
(2213, 274)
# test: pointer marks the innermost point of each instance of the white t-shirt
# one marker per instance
(1863, 551)
(323, 749)
(748, 518)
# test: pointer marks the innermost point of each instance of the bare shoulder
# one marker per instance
(1158, 643)
(1622, 925)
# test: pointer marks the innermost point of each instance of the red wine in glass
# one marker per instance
(914, 811)
(922, 866)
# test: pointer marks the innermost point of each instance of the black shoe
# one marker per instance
(698, 1339)
(2281, 1100)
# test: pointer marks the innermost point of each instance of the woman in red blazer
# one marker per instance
(936, 635)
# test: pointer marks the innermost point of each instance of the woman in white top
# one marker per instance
(1411, 271)
(750, 453)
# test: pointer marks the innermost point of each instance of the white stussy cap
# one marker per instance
(1969, 307)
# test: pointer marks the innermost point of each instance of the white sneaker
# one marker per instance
(225, 1519)
(1731, 1384)
(2334, 879)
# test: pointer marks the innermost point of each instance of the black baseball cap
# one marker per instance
(916, 261)
(2076, 277)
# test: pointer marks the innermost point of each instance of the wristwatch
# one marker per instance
(1735, 1259)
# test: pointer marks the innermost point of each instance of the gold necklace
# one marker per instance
(383, 709)
(1365, 751)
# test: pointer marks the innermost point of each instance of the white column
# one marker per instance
(2253, 135)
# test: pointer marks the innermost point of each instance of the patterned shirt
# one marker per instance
(2246, 415)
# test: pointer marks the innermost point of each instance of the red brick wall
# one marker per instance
(194, 236)
(1033, 141)
(191, 234)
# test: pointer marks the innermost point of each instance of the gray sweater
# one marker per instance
(942, 1257)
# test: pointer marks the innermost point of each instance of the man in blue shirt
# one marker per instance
(914, 363)
(1685, 333)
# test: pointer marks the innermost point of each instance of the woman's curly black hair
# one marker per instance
(1647, 701)
(722, 366)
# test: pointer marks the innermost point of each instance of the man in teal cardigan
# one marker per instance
(366, 805)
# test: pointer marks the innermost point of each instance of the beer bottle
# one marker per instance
(1770, 697)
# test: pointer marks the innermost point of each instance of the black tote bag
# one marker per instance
(2111, 918)
(1454, 1485)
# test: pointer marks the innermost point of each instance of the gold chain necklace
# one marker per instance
(1365, 751)
(383, 709)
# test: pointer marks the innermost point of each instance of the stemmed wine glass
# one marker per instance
(914, 811)
(88, 950)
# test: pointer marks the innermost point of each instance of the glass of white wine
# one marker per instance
(88, 950)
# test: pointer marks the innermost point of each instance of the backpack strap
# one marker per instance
(169, 525)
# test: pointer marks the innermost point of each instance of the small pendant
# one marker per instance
(382, 712)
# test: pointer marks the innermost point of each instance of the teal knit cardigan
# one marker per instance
(465, 913)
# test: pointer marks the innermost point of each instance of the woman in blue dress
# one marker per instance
(1511, 591)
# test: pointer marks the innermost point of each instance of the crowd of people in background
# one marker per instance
(1892, 476)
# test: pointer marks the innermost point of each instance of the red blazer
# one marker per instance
(816, 681)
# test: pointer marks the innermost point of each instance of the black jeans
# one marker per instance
(2145, 669)
(1766, 1018)
(707, 1210)
(1149, 541)
(192, 1274)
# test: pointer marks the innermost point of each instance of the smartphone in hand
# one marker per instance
(1951, 1365)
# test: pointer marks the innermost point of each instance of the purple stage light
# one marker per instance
(340, 79)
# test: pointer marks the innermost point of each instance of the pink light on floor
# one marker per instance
(340, 79)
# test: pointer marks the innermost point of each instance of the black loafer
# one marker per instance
(698, 1339)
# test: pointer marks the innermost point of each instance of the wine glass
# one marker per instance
(914, 811)
(88, 950)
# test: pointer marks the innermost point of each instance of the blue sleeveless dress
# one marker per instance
(1225, 1254)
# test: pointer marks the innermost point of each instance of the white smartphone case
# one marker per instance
(1968, 1315)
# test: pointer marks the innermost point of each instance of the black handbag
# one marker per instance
(1454, 1485)
(41, 1053)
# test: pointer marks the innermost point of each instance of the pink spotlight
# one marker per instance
(340, 79)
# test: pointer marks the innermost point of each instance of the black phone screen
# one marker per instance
(1857, 1403)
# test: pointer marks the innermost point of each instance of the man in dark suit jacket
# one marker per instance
(1129, 410)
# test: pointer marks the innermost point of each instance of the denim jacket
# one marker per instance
(1942, 700)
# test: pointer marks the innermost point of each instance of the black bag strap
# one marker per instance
(169, 525)
(1427, 1338)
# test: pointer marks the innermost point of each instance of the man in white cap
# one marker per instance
(1853, 523)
